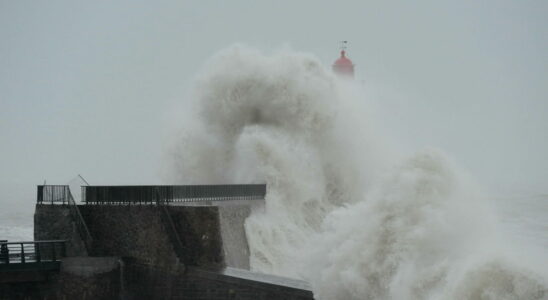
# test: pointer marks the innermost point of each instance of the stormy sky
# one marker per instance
(92, 87)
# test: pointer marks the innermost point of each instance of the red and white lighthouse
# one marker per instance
(344, 66)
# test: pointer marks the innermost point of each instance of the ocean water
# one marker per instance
(345, 210)
(16, 226)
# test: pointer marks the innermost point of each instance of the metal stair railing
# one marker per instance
(180, 250)
(80, 223)
(61, 194)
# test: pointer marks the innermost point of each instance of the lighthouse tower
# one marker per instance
(344, 66)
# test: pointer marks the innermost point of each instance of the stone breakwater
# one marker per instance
(133, 256)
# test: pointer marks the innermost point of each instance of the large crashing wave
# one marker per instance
(340, 212)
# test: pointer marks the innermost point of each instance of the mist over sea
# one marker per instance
(17, 211)
(524, 218)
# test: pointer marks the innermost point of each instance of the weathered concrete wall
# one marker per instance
(129, 231)
(241, 284)
(235, 247)
(54, 222)
(114, 278)
(199, 230)
(150, 282)
(213, 236)
(138, 232)
(79, 278)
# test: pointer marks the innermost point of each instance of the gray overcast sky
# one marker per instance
(87, 86)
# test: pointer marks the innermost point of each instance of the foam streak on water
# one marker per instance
(341, 211)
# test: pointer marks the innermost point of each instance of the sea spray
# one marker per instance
(276, 119)
(341, 211)
(423, 233)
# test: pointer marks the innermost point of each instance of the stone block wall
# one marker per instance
(199, 230)
(129, 231)
(148, 267)
(54, 222)
(213, 236)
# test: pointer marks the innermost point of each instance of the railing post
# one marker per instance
(53, 254)
(64, 249)
(37, 251)
(22, 253)
(39, 196)
(4, 252)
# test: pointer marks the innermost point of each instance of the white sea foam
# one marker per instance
(342, 211)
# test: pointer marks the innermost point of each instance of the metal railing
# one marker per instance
(80, 223)
(150, 194)
(31, 252)
(60, 194)
(180, 250)
(52, 194)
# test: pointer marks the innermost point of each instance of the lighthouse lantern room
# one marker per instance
(344, 66)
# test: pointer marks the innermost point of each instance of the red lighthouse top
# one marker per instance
(343, 65)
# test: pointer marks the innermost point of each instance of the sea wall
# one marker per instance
(129, 231)
(79, 278)
(54, 222)
(125, 278)
(213, 236)
(133, 255)
(150, 282)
